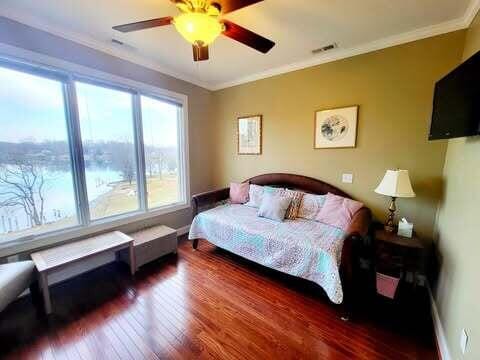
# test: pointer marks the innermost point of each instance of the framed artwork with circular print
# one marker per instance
(336, 128)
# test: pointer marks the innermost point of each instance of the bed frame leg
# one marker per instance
(345, 312)
(195, 244)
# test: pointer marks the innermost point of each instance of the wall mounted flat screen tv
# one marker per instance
(456, 103)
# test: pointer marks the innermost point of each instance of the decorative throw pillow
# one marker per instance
(292, 211)
(310, 206)
(239, 193)
(338, 211)
(274, 206)
(255, 194)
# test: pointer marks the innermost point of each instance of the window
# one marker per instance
(36, 184)
(160, 136)
(107, 131)
(77, 152)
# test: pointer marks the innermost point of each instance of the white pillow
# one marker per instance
(255, 194)
(311, 206)
(274, 206)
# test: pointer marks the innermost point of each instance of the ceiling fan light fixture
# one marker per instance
(198, 28)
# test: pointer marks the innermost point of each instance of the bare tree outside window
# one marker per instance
(128, 170)
(22, 185)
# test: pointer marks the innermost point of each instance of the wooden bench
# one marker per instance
(56, 258)
(150, 244)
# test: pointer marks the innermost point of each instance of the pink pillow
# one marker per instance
(239, 193)
(338, 211)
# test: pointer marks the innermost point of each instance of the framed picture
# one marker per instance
(336, 128)
(250, 135)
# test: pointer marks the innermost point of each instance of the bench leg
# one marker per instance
(133, 264)
(43, 280)
(35, 294)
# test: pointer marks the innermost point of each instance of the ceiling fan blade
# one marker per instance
(232, 5)
(247, 37)
(147, 24)
(200, 53)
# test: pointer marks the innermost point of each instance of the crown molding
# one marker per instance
(338, 54)
(448, 26)
(90, 42)
(471, 12)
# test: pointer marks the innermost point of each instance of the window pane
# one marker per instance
(106, 124)
(160, 136)
(36, 183)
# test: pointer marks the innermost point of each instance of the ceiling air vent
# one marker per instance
(117, 42)
(325, 48)
(120, 43)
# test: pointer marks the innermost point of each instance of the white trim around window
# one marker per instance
(68, 73)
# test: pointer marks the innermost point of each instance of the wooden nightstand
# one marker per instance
(407, 259)
(399, 256)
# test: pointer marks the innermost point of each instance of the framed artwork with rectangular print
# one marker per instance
(336, 128)
(249, 131)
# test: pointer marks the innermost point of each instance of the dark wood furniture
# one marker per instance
(201, 304)
(407, 259)
(398, 256)
(355, 233)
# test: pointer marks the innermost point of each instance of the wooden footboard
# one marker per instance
(356, 232)
(205, 200)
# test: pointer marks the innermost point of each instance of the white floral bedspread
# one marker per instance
(303, 248)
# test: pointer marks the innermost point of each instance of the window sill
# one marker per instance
(29, 244)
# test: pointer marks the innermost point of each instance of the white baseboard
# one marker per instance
(183, 230)
(438, 328)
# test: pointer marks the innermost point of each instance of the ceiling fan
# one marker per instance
(200, 24)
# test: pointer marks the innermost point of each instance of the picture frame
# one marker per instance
(336, 128)
(249, 135)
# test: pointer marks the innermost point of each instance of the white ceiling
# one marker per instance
(297, 27)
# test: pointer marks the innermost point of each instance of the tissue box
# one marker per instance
(405, 229)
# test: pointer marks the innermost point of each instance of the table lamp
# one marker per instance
(395, 183)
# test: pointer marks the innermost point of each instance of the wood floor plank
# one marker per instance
(205, 304)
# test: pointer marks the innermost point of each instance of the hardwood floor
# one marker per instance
(201, 304)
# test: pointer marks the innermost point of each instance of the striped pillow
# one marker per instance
(292, 211)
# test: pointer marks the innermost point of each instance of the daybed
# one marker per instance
(304, 248)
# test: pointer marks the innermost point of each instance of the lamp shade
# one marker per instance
(396, 183)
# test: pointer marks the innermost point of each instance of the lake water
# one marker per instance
(59, 197)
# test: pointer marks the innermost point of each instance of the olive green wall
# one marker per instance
(393, 88)
(458, 290)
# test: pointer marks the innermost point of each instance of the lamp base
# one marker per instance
(390, 226)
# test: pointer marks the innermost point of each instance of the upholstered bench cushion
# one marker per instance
(14, 279)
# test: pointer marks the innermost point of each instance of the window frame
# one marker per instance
(69, 73)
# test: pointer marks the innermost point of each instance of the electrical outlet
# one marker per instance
(347, 178)
(464, 341)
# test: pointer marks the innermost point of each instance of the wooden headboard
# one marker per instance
(296, 182)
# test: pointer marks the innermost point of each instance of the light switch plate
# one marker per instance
(464, 341)
(347, 178)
